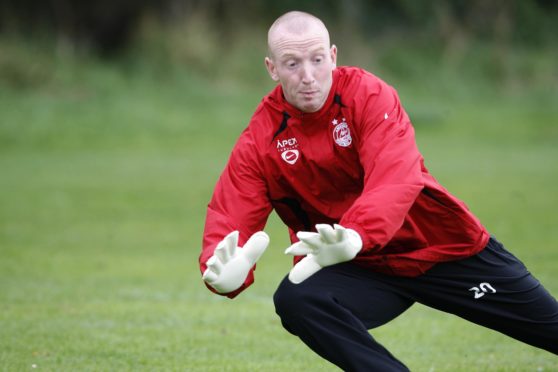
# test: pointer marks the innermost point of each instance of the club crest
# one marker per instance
(342, 133)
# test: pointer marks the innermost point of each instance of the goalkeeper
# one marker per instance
(333, 152)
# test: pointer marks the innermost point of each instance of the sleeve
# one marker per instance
(239, 202)
(392, 170)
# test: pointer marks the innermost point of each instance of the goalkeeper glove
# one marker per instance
(229, 266)
(327, 247)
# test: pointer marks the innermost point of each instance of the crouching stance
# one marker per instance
(333, 152)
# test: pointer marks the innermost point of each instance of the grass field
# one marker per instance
(106, 173)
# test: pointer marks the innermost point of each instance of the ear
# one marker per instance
(333, 54)
(271, 69)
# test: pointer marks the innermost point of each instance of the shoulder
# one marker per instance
(368, 97)
(264, 122)
(355, 79)
(357, 87)
(267, 117)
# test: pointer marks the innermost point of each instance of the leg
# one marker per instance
(493, 289)
(332, 311)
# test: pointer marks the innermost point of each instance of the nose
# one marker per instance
(307, 74)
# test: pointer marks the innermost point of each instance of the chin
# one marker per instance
(309, 106)
(309, 109)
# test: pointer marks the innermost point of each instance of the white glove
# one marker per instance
(327, 247)
(229, 266)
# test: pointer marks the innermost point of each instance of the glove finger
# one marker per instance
(327, 233)
(222, 252)
(214, 264)
(341, 232)
(231, 242)
(209, 276)
(304, 269)
(299, 249)
(310, 238)
(255, 246)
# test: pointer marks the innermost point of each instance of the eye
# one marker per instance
(318, 59)
(291, 64)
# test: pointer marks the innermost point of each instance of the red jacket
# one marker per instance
(354, 162)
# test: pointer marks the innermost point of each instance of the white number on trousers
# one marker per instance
(482, 289)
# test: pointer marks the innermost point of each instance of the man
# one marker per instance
(333, 152)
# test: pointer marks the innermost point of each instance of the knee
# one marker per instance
(294, 300)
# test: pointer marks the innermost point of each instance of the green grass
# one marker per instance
(106, 172)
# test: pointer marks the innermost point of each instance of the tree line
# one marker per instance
(107, 26)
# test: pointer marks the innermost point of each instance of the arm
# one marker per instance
(392, 170)
(239, 203)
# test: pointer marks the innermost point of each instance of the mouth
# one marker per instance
(309, 94)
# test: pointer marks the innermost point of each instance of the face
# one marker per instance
(303, 65)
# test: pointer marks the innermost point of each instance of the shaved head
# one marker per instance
(301, 59)
(292, 25)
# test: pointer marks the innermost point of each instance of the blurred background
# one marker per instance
(506, 43)
(117, 117)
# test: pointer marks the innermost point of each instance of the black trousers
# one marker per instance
(333, 310)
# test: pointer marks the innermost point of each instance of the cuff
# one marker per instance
(366, 242)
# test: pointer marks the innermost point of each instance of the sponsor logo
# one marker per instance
(341, 133)
(290, 156)
(288, 143)
(482, 289)
(288, 148)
